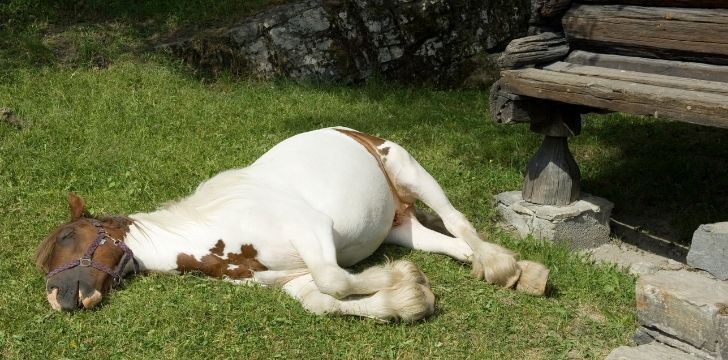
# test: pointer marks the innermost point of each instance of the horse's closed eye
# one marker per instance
(66, 236)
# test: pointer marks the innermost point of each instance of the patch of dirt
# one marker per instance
(8, 116)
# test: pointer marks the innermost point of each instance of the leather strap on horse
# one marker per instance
(87, 258)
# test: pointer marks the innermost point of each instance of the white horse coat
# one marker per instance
(311, 205)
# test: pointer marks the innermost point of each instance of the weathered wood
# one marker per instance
(508, 108)
(666, 3)
(552, 175)
(546, 11)
(661, 32)
(673, 82)
(697, 107)
(653, 66)
(556, 119)
(534, 49)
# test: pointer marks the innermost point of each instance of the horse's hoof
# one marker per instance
(533, 278)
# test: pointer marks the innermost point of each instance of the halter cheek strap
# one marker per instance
(87, 258)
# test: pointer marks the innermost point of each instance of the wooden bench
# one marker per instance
(660, 58)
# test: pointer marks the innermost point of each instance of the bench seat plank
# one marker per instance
(668, 3)
(641, 94)
(653, 66)
(690, 34)
(641, 78)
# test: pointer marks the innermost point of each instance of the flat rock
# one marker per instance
(581, 225)
(632, 259)
(709, 249)
(651, 351)
(685, 305)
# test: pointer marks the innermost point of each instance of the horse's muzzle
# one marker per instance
(73, 300)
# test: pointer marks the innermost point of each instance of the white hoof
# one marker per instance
(496, 265)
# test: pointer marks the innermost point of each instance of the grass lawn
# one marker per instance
(142, 130)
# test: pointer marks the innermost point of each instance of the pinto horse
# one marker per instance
(311, 206)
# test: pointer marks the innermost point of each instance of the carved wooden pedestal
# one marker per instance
(552, 175)
(550, 205)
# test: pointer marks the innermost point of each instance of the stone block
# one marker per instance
(635, 260)
(722, 353)
(652, 351)
(684, 305)
(673, 342)
(709, 249)
(583, 224)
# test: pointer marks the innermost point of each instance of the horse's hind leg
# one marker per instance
(314, 242)
(494, 263)
(410, 302)
(409, 232)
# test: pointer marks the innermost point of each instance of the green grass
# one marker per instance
(140, 133)
(93, 33)
(140, 130)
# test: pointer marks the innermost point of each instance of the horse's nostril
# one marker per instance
(90, 301)
(53, 300)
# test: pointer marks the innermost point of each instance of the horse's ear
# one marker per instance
(77, 206)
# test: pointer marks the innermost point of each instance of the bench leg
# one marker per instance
(552, 175)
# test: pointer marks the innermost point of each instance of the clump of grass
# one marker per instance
(140, 133)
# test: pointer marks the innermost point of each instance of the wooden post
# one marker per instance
(552, 175)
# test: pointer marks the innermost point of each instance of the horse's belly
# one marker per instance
(339, 178)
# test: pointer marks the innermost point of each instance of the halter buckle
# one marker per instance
(84, 262)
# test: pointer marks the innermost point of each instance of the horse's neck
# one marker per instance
(157, 238)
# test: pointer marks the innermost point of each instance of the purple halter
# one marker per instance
(87, 260)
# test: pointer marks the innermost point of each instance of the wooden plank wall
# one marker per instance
(695, 101)
(685, 34)
(666, 3)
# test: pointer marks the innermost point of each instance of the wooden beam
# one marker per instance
(697, 35)
(673, 82)
(667, 3)
(535, 49)
(696, 107)
(545, 12)
(653, 66)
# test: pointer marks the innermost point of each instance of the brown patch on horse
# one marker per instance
(362, 137)
(219, 248)
(215, 266)
(371, 144)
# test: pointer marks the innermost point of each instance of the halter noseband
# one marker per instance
(87, 260)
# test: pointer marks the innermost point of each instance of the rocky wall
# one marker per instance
(438, 42)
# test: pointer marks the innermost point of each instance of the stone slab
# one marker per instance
(684, 305)
(709, 249)
(722, 353)
(655, 335)
(581, 225)
(633, 259)
(652, 351)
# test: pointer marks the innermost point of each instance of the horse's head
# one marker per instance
(84, 258)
